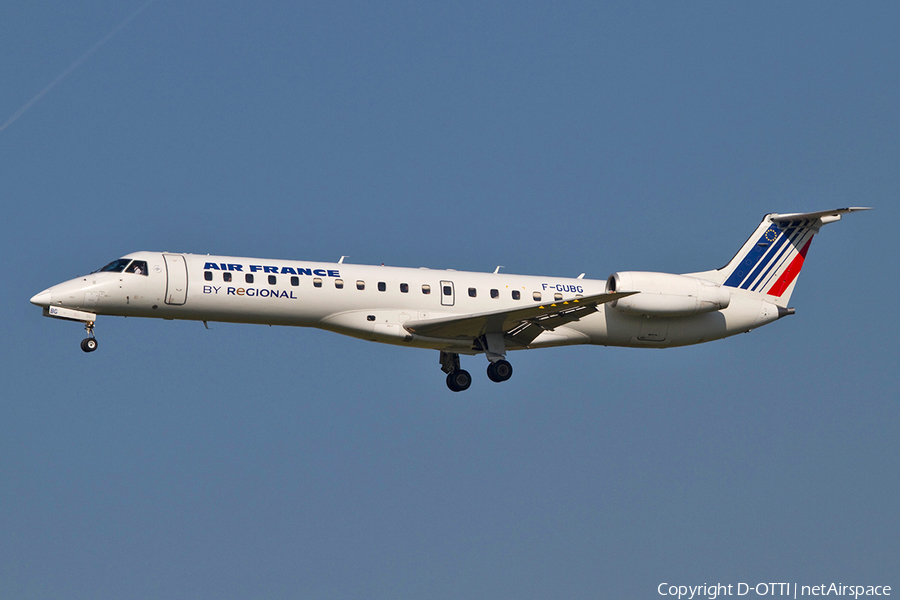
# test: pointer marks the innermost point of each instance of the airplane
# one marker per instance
(455, 312)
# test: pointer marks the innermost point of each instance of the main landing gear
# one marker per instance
(499, 371)
(459, 380)
(89, 344)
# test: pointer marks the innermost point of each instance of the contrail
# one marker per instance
(75, 65)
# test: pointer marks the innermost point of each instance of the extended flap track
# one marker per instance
(527, 330)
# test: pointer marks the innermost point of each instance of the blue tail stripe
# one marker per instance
(789, 241)
(753, 256)
(791, 236)
(802, 237)
(784, 246)
(767, 260)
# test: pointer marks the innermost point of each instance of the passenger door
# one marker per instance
(176, 285)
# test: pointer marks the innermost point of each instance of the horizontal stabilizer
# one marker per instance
(827, 216)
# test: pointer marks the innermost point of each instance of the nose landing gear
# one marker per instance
(89, 344)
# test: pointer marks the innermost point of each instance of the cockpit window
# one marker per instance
(139, 267)
(116, 266)
(119, 266)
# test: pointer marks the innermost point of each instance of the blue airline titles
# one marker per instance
(271, 269)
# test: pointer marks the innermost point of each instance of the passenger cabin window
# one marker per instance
(495, 293)
(516, 295)
(404, 288)
(226, 277)
(317, 282)
(248, 277)
(536, 296)
(207, 275)
(448, 290)
(472, 292)
(557, 297)
(138, 267)
(360, 285)
(426, 289)
(339, 284)
(382, 286)
(272, 280)
(295, 281)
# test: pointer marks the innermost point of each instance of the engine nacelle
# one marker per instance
(666, 295)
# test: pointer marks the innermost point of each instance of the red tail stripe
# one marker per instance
(788, 277)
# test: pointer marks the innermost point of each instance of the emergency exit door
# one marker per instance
(447, 295)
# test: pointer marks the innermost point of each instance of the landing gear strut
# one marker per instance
(89, 344)
(494, 345)
(458, 380)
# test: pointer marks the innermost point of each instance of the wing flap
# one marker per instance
(520, 324)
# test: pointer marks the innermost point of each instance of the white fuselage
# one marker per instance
(374, 302)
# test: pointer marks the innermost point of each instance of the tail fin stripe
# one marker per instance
(753, 256)
(768, 260)
(791, 273)
(784, 263)
(788, 246)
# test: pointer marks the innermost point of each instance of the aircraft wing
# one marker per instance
(521, 325)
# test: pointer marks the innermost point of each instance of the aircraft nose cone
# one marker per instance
(42, 299)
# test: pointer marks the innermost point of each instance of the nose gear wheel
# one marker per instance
(89, 344)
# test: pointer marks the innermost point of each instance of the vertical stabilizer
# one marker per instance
(770, 260)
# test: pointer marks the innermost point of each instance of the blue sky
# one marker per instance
(251, 462)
